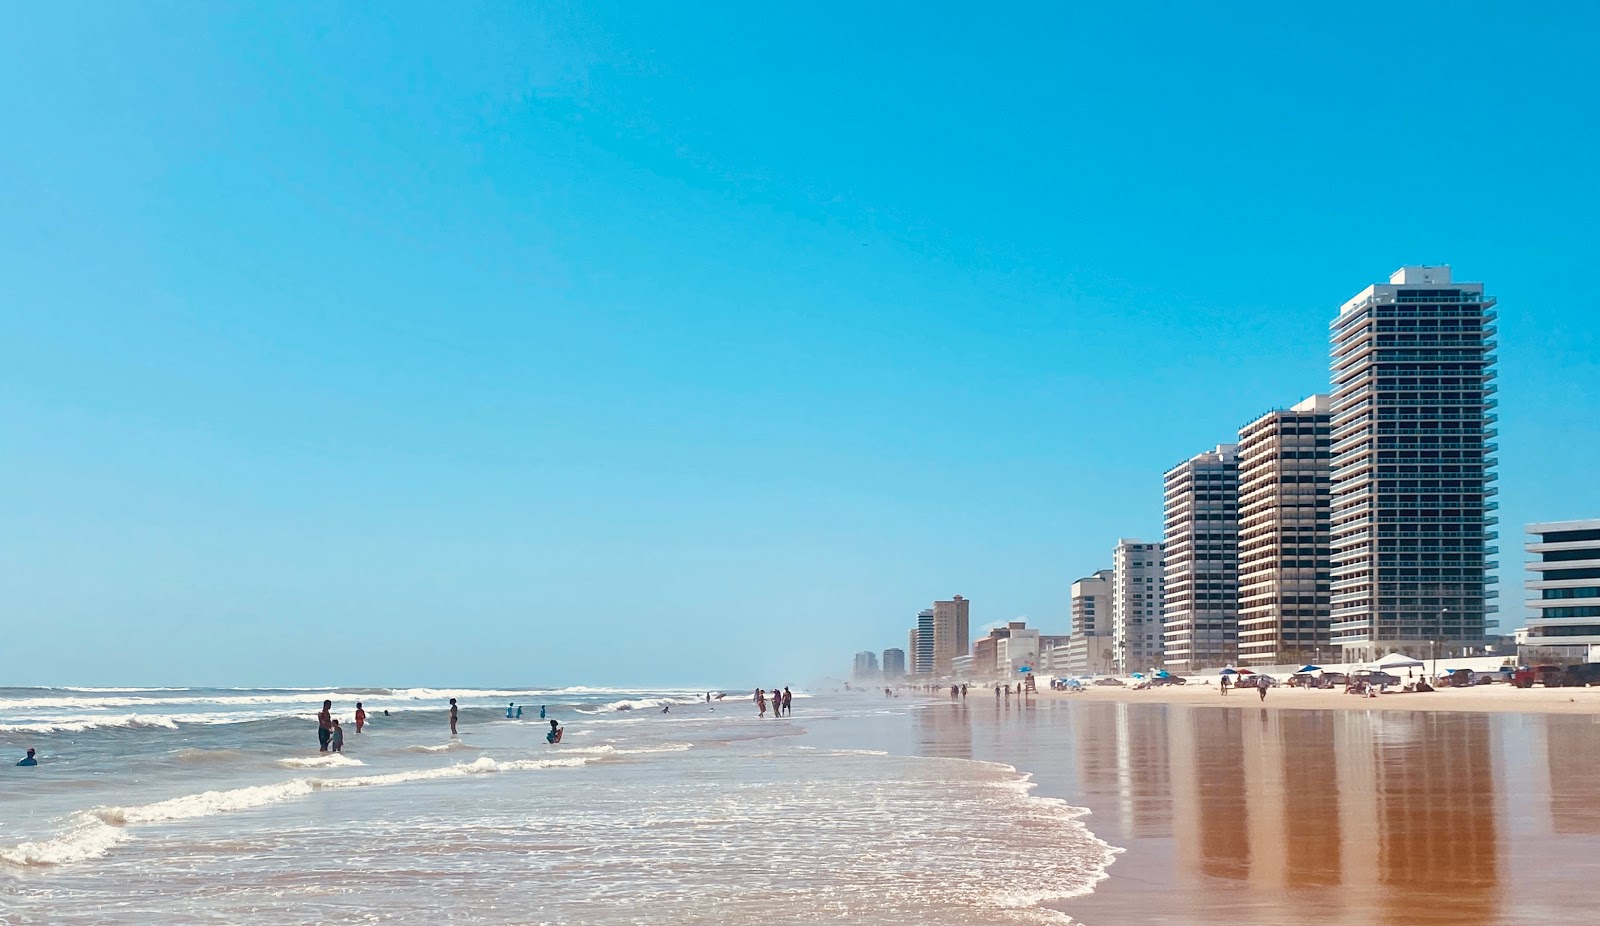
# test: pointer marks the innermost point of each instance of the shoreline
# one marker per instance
(1498, 699)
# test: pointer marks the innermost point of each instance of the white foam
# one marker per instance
(331, 760)
(452, 746)
(206, 803)
(90, 839)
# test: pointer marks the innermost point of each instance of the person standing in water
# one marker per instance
(541, 712)
(28, 761)
(361, 717)
(324, 726)
(454, 713)
(761, 701)
(511, 710)
(337, 740)
(788, 699)
(554, 736)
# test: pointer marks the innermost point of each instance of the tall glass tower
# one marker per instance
(1413, 466)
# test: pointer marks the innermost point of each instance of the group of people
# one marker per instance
(1259, 684)
(781, 701)
(330, 735)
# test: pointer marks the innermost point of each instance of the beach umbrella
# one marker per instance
(1137, 675)
(1163, 674)
(1306, 670)
(1246, 672)
(1230, 671)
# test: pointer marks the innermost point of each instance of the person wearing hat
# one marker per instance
(29, 759)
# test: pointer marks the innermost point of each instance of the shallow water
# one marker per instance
(214, 807)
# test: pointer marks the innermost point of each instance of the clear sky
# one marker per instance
(538, 343)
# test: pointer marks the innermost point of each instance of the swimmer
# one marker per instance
(453, 714)
(28, 760)
(337, 740)
(511, 710)
(361, 717)
(324, 726)
(554, 736)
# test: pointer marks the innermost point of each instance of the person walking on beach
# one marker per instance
(324, 726)
(1261, 688)
(361, 717)
(337, 740)
(28, 761)
(788, 699)
(1224, 686)
(454, 714)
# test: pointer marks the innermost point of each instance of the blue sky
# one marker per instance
(535, 343)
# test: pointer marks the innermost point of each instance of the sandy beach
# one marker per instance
(1479, 698)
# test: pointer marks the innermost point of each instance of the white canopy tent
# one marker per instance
(1397, 661)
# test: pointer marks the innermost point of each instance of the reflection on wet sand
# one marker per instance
(1572, 743)
(1278, 816)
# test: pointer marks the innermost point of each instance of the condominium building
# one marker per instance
(1284, 553)
(1091, 603)
(920, 645)
(866, 667)
(1200, 612)
(1564, 588)
(949, 633)
(1136, 588)
(894, 663)
(1412, 466)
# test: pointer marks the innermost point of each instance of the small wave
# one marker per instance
(81, 724)
(452, 746)
(331, 760)
(631, 704)
(195, 755)
(90, 839)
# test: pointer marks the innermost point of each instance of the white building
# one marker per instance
(1200, 611)
(1019, 650)
(1136, 589)
(1413, 465)
(1564, 588)
(963, 667)
(1284, 552)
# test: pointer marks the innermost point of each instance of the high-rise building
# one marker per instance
(1284, 556)
(949, 633)
(894, 663)
(866, 665)
(1200, 612)
(1091, 603)
(986, 649)
(920, 647)
(1087, 649)
(1413, 481)
(1564, 588)
(1136, 589)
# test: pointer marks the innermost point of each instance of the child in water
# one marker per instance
(338, 737)
(554, 736)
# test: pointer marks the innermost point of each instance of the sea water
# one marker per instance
(214, 806)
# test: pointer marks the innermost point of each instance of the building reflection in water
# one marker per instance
(944, 730)
(1123, 755)
(1572, 742)
(1340, 814)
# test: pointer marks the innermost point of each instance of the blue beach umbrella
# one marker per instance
(1309, 669)
(1163, 674)
(1137, 675)
(1230, 671)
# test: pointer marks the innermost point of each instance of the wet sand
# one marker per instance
(1367, 812)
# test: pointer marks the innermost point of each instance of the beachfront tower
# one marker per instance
(949, 633)
(1413, 466)
(1136, 586)
(1201, 608)
(1564, 589)
(920, 646)
(894, 663)
(1284, 556)
(866, 668)
(1088, 645)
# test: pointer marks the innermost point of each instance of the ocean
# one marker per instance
(213, 806)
